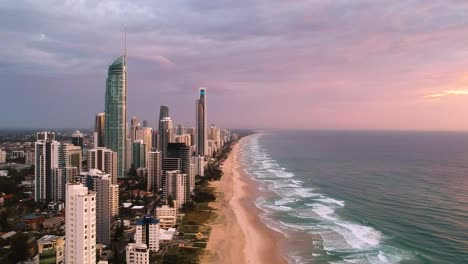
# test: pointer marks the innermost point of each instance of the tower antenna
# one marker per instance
(125, 43)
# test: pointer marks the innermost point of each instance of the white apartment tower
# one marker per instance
(80, 226)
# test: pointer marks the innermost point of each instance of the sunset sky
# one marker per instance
(321, 64)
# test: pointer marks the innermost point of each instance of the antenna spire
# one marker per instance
(125, 43)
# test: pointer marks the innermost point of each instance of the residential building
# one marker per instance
(99, 130)
(80, 225)
(166, 134)
(139, 154)
(182, 152)
(107, 198)
(3, 155)
(47, 158)
(167, 216)
(105, 160)
(60, 178)
(78, 139)
(176, 187)
(147, 232)
(137, 254)
(51, 249)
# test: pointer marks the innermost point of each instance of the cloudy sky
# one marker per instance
(309, 64)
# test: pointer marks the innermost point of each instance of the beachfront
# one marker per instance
(238, 235)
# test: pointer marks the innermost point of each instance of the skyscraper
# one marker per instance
(153, 164)
(134, 128)
(182, 152)
(180, 129)
(139, 154)
(202, 124)
(80, 225)
(107, 201)
(116, 112)
(104, 160)
(77, 139)
(145, 123)
(99, 127)
(147, 232)
(166, 134)
(163, 112)
(47, 159)
(70, 156)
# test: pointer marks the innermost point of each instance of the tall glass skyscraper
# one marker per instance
(163, 112)
(202, 124)
(116, 112)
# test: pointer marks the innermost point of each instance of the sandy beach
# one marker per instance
(238, 235)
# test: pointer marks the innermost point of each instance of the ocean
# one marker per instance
(363, 197)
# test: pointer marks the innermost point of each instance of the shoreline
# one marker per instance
(238, 234)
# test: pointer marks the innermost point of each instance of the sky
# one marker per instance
(297, 64)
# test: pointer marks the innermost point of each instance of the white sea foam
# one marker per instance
(366, 236)
(305, 192)
(328, 200)
(324, 211)
(284, 201)
(277, 208)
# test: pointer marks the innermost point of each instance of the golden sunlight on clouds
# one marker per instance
(446, 93)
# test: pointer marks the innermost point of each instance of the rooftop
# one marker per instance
(147, 219)
(49, 238)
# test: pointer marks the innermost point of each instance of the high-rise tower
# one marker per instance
(202, 124)
(116, 112)
(163, 112)
(166, 134)
(99, 125)
(80, 225)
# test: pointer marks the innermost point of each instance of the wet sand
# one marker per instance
(238, 235)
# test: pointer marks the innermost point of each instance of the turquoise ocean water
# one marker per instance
(364, 197)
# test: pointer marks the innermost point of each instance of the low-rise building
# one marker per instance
(51, 249)
(167, 216)
(137, 253)
(166, 236)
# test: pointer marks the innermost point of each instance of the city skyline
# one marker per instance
(405, 70)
